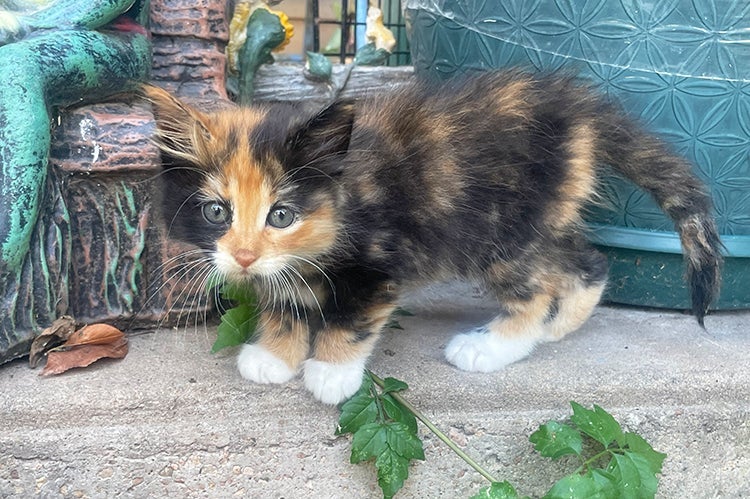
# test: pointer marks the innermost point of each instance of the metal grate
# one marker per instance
(340, 38)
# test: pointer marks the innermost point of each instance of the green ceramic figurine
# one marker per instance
(53, 53)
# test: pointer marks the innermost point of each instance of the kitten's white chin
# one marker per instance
(333, 383)
(259, 365)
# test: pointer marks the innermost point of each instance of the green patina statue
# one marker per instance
(59, 53)
(53, 53)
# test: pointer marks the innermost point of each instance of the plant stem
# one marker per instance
(434, 429)
(378, 403)
(586, 465)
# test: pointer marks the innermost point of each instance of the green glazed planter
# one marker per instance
(681, 66)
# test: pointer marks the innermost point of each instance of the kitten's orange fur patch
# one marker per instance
(250, 196)
(575, 307)
(288, 340)
(316, 233)
(511, 99)
(338, 345)
(580, 181)
(524, 319)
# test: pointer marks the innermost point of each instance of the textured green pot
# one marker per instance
(681, 66)
(647, 269)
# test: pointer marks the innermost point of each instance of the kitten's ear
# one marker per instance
(180, 129)
(326, 134)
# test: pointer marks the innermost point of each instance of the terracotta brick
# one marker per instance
(204, 19)
(190, 67)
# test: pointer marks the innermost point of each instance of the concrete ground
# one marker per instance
(173, 420)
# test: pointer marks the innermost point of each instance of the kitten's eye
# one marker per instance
(216, 213)
(280, 217)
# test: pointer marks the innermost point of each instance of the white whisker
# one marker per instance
(312, 293)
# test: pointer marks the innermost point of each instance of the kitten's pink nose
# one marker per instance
(244, 257)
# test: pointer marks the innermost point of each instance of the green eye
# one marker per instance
(216, 213)
(280, 217)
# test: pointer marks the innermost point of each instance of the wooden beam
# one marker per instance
(286, 82)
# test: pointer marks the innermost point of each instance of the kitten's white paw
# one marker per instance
(481, 351)
(257, 364)
(333, 383)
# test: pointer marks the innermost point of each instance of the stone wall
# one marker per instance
(124, 268)
(102, 232)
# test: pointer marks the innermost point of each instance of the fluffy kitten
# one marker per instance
(329, 216)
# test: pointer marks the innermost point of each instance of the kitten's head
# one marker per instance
(256, 187)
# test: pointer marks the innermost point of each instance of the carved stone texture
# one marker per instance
(123, 268)
(205, 19)
(188, 47)
(43, 283)
(105, 138)
(190, 68)
(99, 247)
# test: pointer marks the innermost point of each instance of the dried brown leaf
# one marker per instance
(53, 336)
(83, 355)
(94, 334)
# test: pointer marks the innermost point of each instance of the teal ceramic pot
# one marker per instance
(681, 66)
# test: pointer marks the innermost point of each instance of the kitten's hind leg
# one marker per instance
(573, 308)
(340, 352)
(281, 347)
(571, 297)
(579, 293)
(509, 337)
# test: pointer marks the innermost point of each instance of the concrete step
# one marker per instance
(171, 419)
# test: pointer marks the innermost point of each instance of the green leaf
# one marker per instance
(368, 55)
(396, 412)
(498, 490)
(356, 412)
(555, 440)
(604, 482)
(242, 295)
(236, 327)
(593, 485)
(393, 385)
(369, 442)
(318, 67)
(392, 471)
(637, 444)
(403, 441)
(391, 445)
(214, 280)
(402, 312)
(633, 475)
(598, 424)
(366, 387)
(238, 323)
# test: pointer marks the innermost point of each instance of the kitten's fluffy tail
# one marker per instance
(649, 163)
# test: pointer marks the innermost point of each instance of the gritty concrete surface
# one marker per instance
(173, 420)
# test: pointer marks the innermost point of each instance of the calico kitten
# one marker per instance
(486, 178)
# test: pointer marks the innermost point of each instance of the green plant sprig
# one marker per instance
(377, 419)
(238, 322)
(434, 429)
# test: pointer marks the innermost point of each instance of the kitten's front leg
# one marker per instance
(275, 357)
(335, 372)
